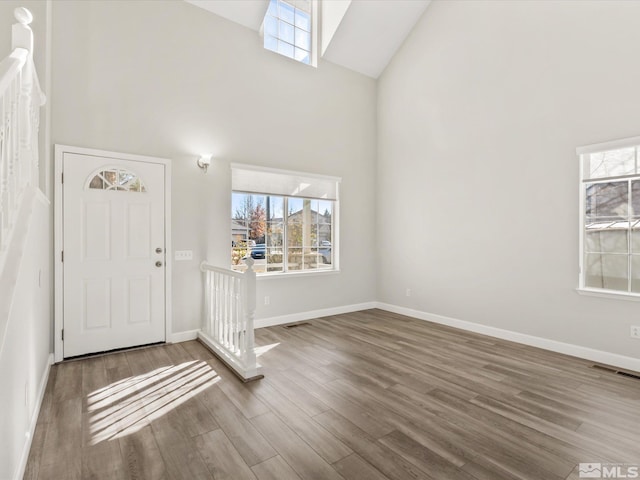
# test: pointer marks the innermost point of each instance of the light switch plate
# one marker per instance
(182, 255)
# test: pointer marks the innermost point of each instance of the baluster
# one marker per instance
(227, 326)
(207, 302)
(232, 316)
(219, 305)
(217, 330)
(250, 309)
(238, 315)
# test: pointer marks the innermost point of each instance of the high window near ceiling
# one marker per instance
(610, 217)
(286, 221)
(288, 29)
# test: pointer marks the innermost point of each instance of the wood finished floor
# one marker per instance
(362, 396)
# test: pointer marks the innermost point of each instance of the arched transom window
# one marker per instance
(117, 179)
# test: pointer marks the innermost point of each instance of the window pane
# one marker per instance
(274, 234)
(270, 26)
(302, 56)
(303, 20)
(248, 229)
(303, 39)
(285, 49)
(635, 237)
(635, 199)
(271, 43)
(295, 234)
(607, 201)
(285, 32)
(611, 164)
(607, 241)
(606, 271)
(286, 12)
(635, 273)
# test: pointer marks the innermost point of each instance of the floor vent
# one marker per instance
(616, 371)
(627, 374)
(294, 325)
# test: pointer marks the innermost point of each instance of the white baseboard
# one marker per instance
(599, 356)
(299, 317)
(34, 419)
(185, 336)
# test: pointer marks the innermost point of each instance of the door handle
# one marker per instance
(158, 263)
(159, 250)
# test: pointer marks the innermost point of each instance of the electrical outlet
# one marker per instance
(635, 331)
(408, 292)
(267, 300)
(182, 255)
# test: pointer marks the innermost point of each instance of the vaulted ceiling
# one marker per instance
(365, 40)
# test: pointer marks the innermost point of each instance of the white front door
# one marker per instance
(114, 253)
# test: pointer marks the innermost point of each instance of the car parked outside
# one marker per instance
(324, 250)
(259, 251)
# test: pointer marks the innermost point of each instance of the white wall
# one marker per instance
(479, 115)
(25, 332)
(171, 80)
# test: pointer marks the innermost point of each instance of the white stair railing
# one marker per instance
(20, 102)
(230, 304)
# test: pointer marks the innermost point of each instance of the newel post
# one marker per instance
(21, 34)
(250, 311)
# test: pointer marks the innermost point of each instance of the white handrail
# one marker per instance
(228, 325)
(20, 102)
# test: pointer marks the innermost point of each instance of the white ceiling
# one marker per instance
(368, 37)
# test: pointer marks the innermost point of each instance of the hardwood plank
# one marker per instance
(380, 457)
(63, 440)
(177, 353)
(68, 381)
(222, 459)
(142, 456)
(325, 444)
(364, 419)
(251, 445)
(354, 467)
(103, 461)
(302, 458)
(178, 451)
(422, 457)
(303, 399)
(274, 469)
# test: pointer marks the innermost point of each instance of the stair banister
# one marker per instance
(228, 323)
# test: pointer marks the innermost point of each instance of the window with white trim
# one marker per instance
(286, 221)
(287, 29)
(610, 217)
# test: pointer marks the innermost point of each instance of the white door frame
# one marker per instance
(58, 244)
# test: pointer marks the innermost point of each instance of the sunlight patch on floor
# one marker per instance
(126, 406)
(265, 348)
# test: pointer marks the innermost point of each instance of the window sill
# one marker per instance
(298, 274)
(634, 297)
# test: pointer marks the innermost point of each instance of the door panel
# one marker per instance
(114, 293)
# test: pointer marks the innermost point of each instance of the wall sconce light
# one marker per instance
(204, 161)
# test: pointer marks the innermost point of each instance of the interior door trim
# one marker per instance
(58, 283)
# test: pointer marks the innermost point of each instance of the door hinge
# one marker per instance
(63, 334)
(62, 177)
(62, 256)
